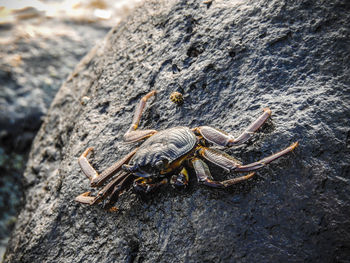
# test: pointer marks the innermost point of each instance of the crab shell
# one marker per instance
(163, 152)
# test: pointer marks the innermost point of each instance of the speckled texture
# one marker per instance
(36, 56)
(229, 59)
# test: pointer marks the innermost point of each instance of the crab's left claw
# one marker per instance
(180, 180)
(85, 198)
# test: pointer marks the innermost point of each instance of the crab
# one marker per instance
(165, 156)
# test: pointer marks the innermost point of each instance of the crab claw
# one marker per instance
(180, 180)
(85, 198)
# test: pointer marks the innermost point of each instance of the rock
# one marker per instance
(32, 71)
(37, 53)
(229, 60)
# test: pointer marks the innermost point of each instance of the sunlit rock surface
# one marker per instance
(230, 59)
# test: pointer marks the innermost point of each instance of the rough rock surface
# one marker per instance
(36, 56)
(229, 59)
(39, 48)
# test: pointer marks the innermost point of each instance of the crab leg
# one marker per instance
(265, 161)
(133, 135)
(225, 139)
(97, 179)
(102, 194)
(113, 197)
(219, 158)
(146, 185)
(85, 198)
(204, 176)
(230, 164)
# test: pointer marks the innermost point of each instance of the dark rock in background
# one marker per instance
(229, 59)
(36, 56)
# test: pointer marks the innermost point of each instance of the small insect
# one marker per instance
(164, 155)
(177, 98)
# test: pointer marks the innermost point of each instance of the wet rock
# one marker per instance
(232, 59)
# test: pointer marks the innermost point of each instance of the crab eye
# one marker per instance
(159, 164)
(129, 168)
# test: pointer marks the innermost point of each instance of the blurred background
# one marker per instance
(40, 44)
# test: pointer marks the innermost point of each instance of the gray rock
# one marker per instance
(36, 56)
(229, 59)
